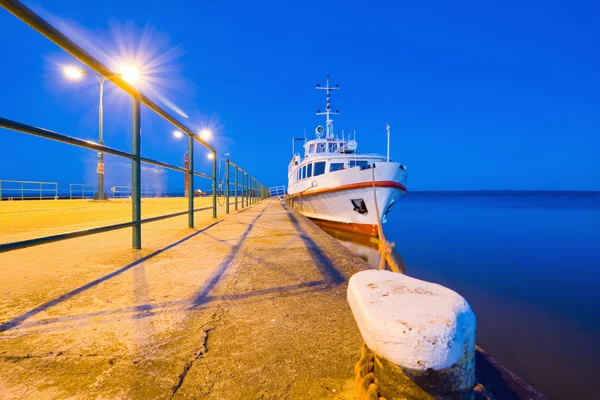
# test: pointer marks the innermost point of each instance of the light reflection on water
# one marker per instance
(364, 246)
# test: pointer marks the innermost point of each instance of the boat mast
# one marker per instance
(387, 128)
(328, 112)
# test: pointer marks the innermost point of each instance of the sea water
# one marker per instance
(529, 265)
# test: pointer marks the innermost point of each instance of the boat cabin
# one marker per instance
(329, 146)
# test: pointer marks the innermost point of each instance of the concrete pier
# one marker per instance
(252, 305)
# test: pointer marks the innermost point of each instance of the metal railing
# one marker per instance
(23, 190)
(251, 190)
(278, 191)
(124, 192)
(44, 28)
(82, 190)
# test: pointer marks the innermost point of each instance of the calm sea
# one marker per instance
(529, 265)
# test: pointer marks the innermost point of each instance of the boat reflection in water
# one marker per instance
(362, 245)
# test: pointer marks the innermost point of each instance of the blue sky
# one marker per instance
(480, 95)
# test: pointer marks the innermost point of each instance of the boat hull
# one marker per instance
(348, 202)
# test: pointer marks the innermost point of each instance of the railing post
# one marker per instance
(242, 194)
(214, 184)
(247, 190)
(136, 182)
(190, 173)
(237, 172)
(22, 190)
(227, 186)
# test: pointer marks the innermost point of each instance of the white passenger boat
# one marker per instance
(333, 183)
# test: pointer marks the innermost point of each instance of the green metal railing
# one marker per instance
(122, 192)
(251, 190)
(28, 190)
(81, 190)
(36, 22)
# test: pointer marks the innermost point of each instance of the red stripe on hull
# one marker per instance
(385, 184)
(364, 229)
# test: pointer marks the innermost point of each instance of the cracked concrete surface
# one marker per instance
(252, 307)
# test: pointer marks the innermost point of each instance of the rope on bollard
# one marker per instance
(364, 369)
(385, 247)
(366, 385)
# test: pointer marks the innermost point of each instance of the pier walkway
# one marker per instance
(252, 305)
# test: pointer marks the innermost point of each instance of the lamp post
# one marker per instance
(130, 75)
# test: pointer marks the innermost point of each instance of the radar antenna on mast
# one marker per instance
(328, 112)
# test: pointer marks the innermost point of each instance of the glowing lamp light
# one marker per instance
(178, 134)
(73, 73)
(211, 156)
(130, 75)
(205, 134)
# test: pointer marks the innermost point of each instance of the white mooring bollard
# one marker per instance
(422, 336)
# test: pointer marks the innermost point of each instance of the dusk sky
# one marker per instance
(479, 95)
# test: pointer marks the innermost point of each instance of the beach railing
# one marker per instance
(22, 190)
(82, 190)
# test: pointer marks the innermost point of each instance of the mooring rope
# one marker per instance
(366, 386)
(385, 247)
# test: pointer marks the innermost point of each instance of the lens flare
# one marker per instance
(211, 156)
(73, 72)
(178, 134)
(143, 57)
(130, 75)
(206, 134)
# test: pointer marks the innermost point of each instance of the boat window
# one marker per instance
(321, 147)
(309, 170)
(333, 147)
(358, 163)
(336, 166)
(311, 148)
(304, 172)
(298, 174)
(319, 168)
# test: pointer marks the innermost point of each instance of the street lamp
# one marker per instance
(130, 75)
(178, 134)
(210, 156)
(205, 134)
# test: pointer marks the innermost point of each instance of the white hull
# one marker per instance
(338, 197)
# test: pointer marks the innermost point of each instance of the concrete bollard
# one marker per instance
(422, 336)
